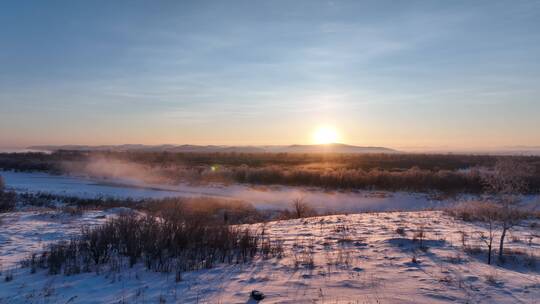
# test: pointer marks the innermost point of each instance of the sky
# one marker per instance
(400, 74)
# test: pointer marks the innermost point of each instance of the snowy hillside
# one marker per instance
(395, 257)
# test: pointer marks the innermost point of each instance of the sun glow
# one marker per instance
(325, 135)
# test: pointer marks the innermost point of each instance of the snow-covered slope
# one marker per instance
(25, 232)
(358, 258)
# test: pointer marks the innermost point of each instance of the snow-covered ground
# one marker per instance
(357, 258)
(25, 232)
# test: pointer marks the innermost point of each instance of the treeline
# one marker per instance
(349, 161)
(33, 161)
(393, 172)
(413, 179)
(52, 162)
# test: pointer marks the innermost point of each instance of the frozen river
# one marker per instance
(261, 197)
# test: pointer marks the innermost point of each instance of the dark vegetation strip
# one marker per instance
(50, 162)
(176, 242)
(391, 172)
(217, 210)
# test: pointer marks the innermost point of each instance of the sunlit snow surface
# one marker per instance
(26, 232)
(357, 258)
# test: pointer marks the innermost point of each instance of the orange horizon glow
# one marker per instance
(325, 135)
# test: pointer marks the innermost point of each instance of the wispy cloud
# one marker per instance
(266, 65)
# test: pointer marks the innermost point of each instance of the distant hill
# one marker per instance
(332, 148)
(327, 148)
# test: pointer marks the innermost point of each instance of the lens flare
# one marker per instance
(325, 135)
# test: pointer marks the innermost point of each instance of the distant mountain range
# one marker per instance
(326, 148)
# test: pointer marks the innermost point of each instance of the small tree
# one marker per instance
(508, 181)
(489, 213)
(2, 184)
(301, 208)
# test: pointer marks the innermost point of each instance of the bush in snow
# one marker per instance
(301, 209)
(177, 241)
(7, 198)
(218, 211)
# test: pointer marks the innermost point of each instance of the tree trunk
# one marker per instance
(489, 252)
(501, 244)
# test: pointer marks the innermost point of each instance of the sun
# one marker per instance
(325, 135)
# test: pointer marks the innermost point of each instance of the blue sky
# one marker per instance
(450, 74)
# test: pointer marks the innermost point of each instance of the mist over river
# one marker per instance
(260, 196)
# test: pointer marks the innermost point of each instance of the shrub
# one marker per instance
(8, 199)
(474, 211)
(400, 231)
(9, 276)
(174, 242)
(219, 211)
(301, 208)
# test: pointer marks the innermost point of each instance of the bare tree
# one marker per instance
(301, 208)
(489, 214)
(509, 178)
(508, 181)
